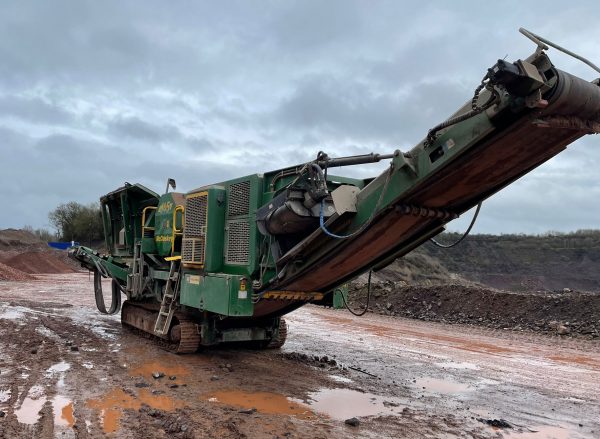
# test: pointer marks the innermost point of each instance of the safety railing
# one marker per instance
(147, 231)
(176, 231)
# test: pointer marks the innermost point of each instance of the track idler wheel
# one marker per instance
(184, 337)
(277, 342)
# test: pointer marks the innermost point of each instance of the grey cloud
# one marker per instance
(33, 109)
(133, 127)
(94, 93)
(352, 109)
(299, 28)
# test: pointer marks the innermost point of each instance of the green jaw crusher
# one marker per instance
(224, 262)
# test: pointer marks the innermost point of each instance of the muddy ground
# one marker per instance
(67, 371)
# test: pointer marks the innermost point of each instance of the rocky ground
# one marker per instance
(67, 371)
(564, 313)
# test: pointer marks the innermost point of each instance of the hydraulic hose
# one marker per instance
(115, 305)
(366, 223)
(464, 235)
(475, 110)
(363, 312)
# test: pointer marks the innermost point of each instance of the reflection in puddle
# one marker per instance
(335, 403)
(346, 403)
(57, 368)
(63, 411)
(436, 385)
(28, 412)
(340, 379)
(114, 402)
(263, 402)
(540, 432)
(12, 314)
(5, 395)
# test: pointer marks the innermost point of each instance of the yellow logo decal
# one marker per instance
(165, 207)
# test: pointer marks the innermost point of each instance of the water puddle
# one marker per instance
(263, 402)
(5, 395)
(436, 385)
(57, 368)
(340, 379)
(334, 403)
(540, 432)
(112, 404)
(461, 366)
(29, 411)
(346, 403)
(169, 368)
(63, 411)
(12, 314)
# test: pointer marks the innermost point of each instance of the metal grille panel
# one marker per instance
(238, 202)
(194, 233)
(193, 251)
(238, 242)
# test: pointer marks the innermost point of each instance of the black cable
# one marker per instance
(464, 235)
(362, 313)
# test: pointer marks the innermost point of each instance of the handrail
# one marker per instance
(144, 227)
(176, 231)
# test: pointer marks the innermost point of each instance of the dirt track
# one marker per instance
(88, 378)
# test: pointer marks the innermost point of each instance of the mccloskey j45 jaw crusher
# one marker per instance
(224, 262)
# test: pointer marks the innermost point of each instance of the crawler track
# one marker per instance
(184, 337)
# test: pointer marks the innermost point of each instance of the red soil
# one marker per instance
(10, 273)
(38, 262)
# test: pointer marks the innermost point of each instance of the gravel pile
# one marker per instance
(565, 312)
(38, 262)
(12, 274)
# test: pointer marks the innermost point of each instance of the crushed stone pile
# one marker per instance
(38, 262)
(564, 312)
(8, 273)
(18, 238)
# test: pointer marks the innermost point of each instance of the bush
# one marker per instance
(77, 222)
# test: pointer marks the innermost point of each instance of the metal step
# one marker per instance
(169, 301)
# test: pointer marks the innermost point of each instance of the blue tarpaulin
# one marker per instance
(62, 245)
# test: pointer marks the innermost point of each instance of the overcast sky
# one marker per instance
(96, 93)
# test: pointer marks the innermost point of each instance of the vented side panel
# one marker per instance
(238, 242)
(238, 202)
(194, 233)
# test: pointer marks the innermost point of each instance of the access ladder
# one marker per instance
(169, 299)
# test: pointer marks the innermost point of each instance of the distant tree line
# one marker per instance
(77, 222)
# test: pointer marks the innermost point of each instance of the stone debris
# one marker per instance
(353, 422)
